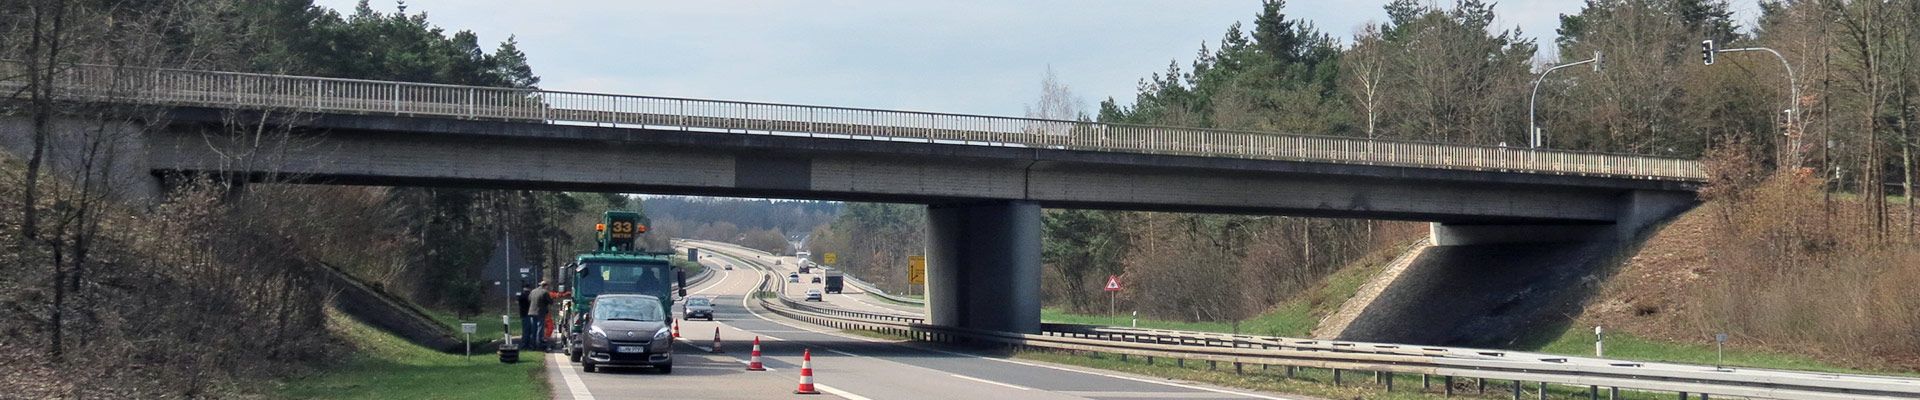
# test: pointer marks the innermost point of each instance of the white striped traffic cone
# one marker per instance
(716, 339)
(753, 363)
(806, 374)
(676, 330)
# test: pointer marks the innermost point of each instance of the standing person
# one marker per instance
(526, 320)
(537, 317)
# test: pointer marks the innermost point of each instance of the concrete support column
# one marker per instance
(983, 266)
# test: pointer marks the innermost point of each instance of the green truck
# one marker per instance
(617, 266)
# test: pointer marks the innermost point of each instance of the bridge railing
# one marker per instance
(333, 95)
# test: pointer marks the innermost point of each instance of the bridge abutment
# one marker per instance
(983, 265)
(1637, 210)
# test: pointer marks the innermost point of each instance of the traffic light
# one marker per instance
(1706, 51)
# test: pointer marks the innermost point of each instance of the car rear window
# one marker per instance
(699, 301)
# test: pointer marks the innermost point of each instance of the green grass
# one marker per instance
(488, 326)
(1295, 317)
(1313, 381)
(1579, 342)
(384, 366)
(875, 335)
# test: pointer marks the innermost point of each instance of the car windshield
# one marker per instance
(699, 301)
(627, 309)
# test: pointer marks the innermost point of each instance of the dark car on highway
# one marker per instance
(699, 307)
(628, 330)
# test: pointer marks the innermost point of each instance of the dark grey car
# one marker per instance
(698, 307)
(628, 330)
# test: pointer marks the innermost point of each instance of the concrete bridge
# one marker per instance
(985, 179)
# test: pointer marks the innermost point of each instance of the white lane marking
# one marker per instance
(990, 382)
(744, 301)
(723, 279)
(1222, 391)
(575, 387)
(837, 392)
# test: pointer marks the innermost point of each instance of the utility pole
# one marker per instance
(1533, 130)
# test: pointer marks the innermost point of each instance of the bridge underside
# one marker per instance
(984, 200)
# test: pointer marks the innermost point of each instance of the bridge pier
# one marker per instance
(983, 265)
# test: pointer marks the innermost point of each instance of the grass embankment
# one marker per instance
(384, 366)
(487, 326)
(1295, 317)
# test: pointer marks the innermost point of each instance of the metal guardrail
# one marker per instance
(1239, 350)
(875, 290)
(333, 95)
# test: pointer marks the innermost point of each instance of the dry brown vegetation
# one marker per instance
(1777, 262)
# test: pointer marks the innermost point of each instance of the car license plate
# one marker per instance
(631, 349)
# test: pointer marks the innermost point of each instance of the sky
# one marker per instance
(975, 57)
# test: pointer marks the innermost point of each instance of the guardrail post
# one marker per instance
(1593, 392)
(1448, 381)
(1704, 396)
(1543, 391)
(1426, 382)
(1388, 380)
(1149, 360)
(1290, 370)
(1683, 395)
(1336, 377)
(1212, 365)
(1483, 385)
(1613, 393)
(1516, 390)
(1236, 369)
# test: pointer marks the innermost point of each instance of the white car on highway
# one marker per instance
(813, 295)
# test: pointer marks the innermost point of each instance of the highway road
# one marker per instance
(845, 365)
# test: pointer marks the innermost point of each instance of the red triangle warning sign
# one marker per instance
(1113, 283)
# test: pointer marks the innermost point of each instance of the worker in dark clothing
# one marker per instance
(537, 317)
(526, 320)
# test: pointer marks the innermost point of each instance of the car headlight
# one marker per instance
(597, 333)
(662, 334)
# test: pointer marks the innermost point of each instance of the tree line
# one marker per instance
(94, 284)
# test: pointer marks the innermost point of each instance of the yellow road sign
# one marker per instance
(830, 258)
(917, 270)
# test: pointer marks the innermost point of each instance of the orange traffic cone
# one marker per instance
(753, 363)
(676, 331)
(806, 374)
(716, 339)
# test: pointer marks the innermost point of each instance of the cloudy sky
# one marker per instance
(973, 57)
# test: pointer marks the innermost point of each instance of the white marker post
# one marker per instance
(1599, 349)
(467, 329)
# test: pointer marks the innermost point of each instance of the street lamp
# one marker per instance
(1532, 128)
(1707, 51)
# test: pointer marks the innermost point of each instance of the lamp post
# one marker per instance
(1707, 51)
(1533, 129)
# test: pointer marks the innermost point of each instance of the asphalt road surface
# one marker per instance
(844, 365)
